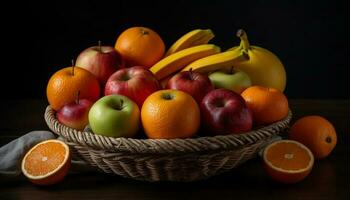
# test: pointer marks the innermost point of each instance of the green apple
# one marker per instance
(114, 116)
(234, 80)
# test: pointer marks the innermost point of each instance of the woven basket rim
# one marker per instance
(161, 146)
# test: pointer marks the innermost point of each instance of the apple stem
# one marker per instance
(121, 104)
(99, 45)
(244, 39)
(72, 67)
(78, 95)
(231, 71)
(191, 73)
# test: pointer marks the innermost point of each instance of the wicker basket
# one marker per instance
(162, 159)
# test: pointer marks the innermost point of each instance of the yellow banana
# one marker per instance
(179, 60)
(190, 39)
(236, 48)
(218, 61)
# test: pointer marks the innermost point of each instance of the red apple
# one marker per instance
(137, 83)
(195, 84)
(225, 112)
(75, 114)
(102, 61)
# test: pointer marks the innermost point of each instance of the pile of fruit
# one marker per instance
(137, 86)
(169, 94)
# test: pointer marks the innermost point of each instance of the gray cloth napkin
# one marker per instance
(12, 153)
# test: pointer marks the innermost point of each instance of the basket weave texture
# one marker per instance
(163, 159)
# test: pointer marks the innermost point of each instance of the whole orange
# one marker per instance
(315, 132)
(64, 85)
(267, 104)
(170, 114)
(140, 46)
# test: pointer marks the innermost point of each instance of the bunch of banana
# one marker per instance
(175, 62)
(190, 39)
(262, 66)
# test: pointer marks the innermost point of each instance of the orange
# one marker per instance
(47, 163)
(64, 85)
(287, 161)
(315, 132)
(267, 104)
(140, 46)
(170, 114)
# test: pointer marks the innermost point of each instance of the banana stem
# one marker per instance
(244, 39)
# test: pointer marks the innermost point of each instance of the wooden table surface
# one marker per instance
(330, 178)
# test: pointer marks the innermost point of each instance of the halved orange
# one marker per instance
(288, 161)
(47, 162)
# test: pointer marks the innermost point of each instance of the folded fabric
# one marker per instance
(12, 153)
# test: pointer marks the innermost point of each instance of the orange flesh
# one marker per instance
(45, 159)
(288, 156)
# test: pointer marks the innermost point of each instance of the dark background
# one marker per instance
(310, 37)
